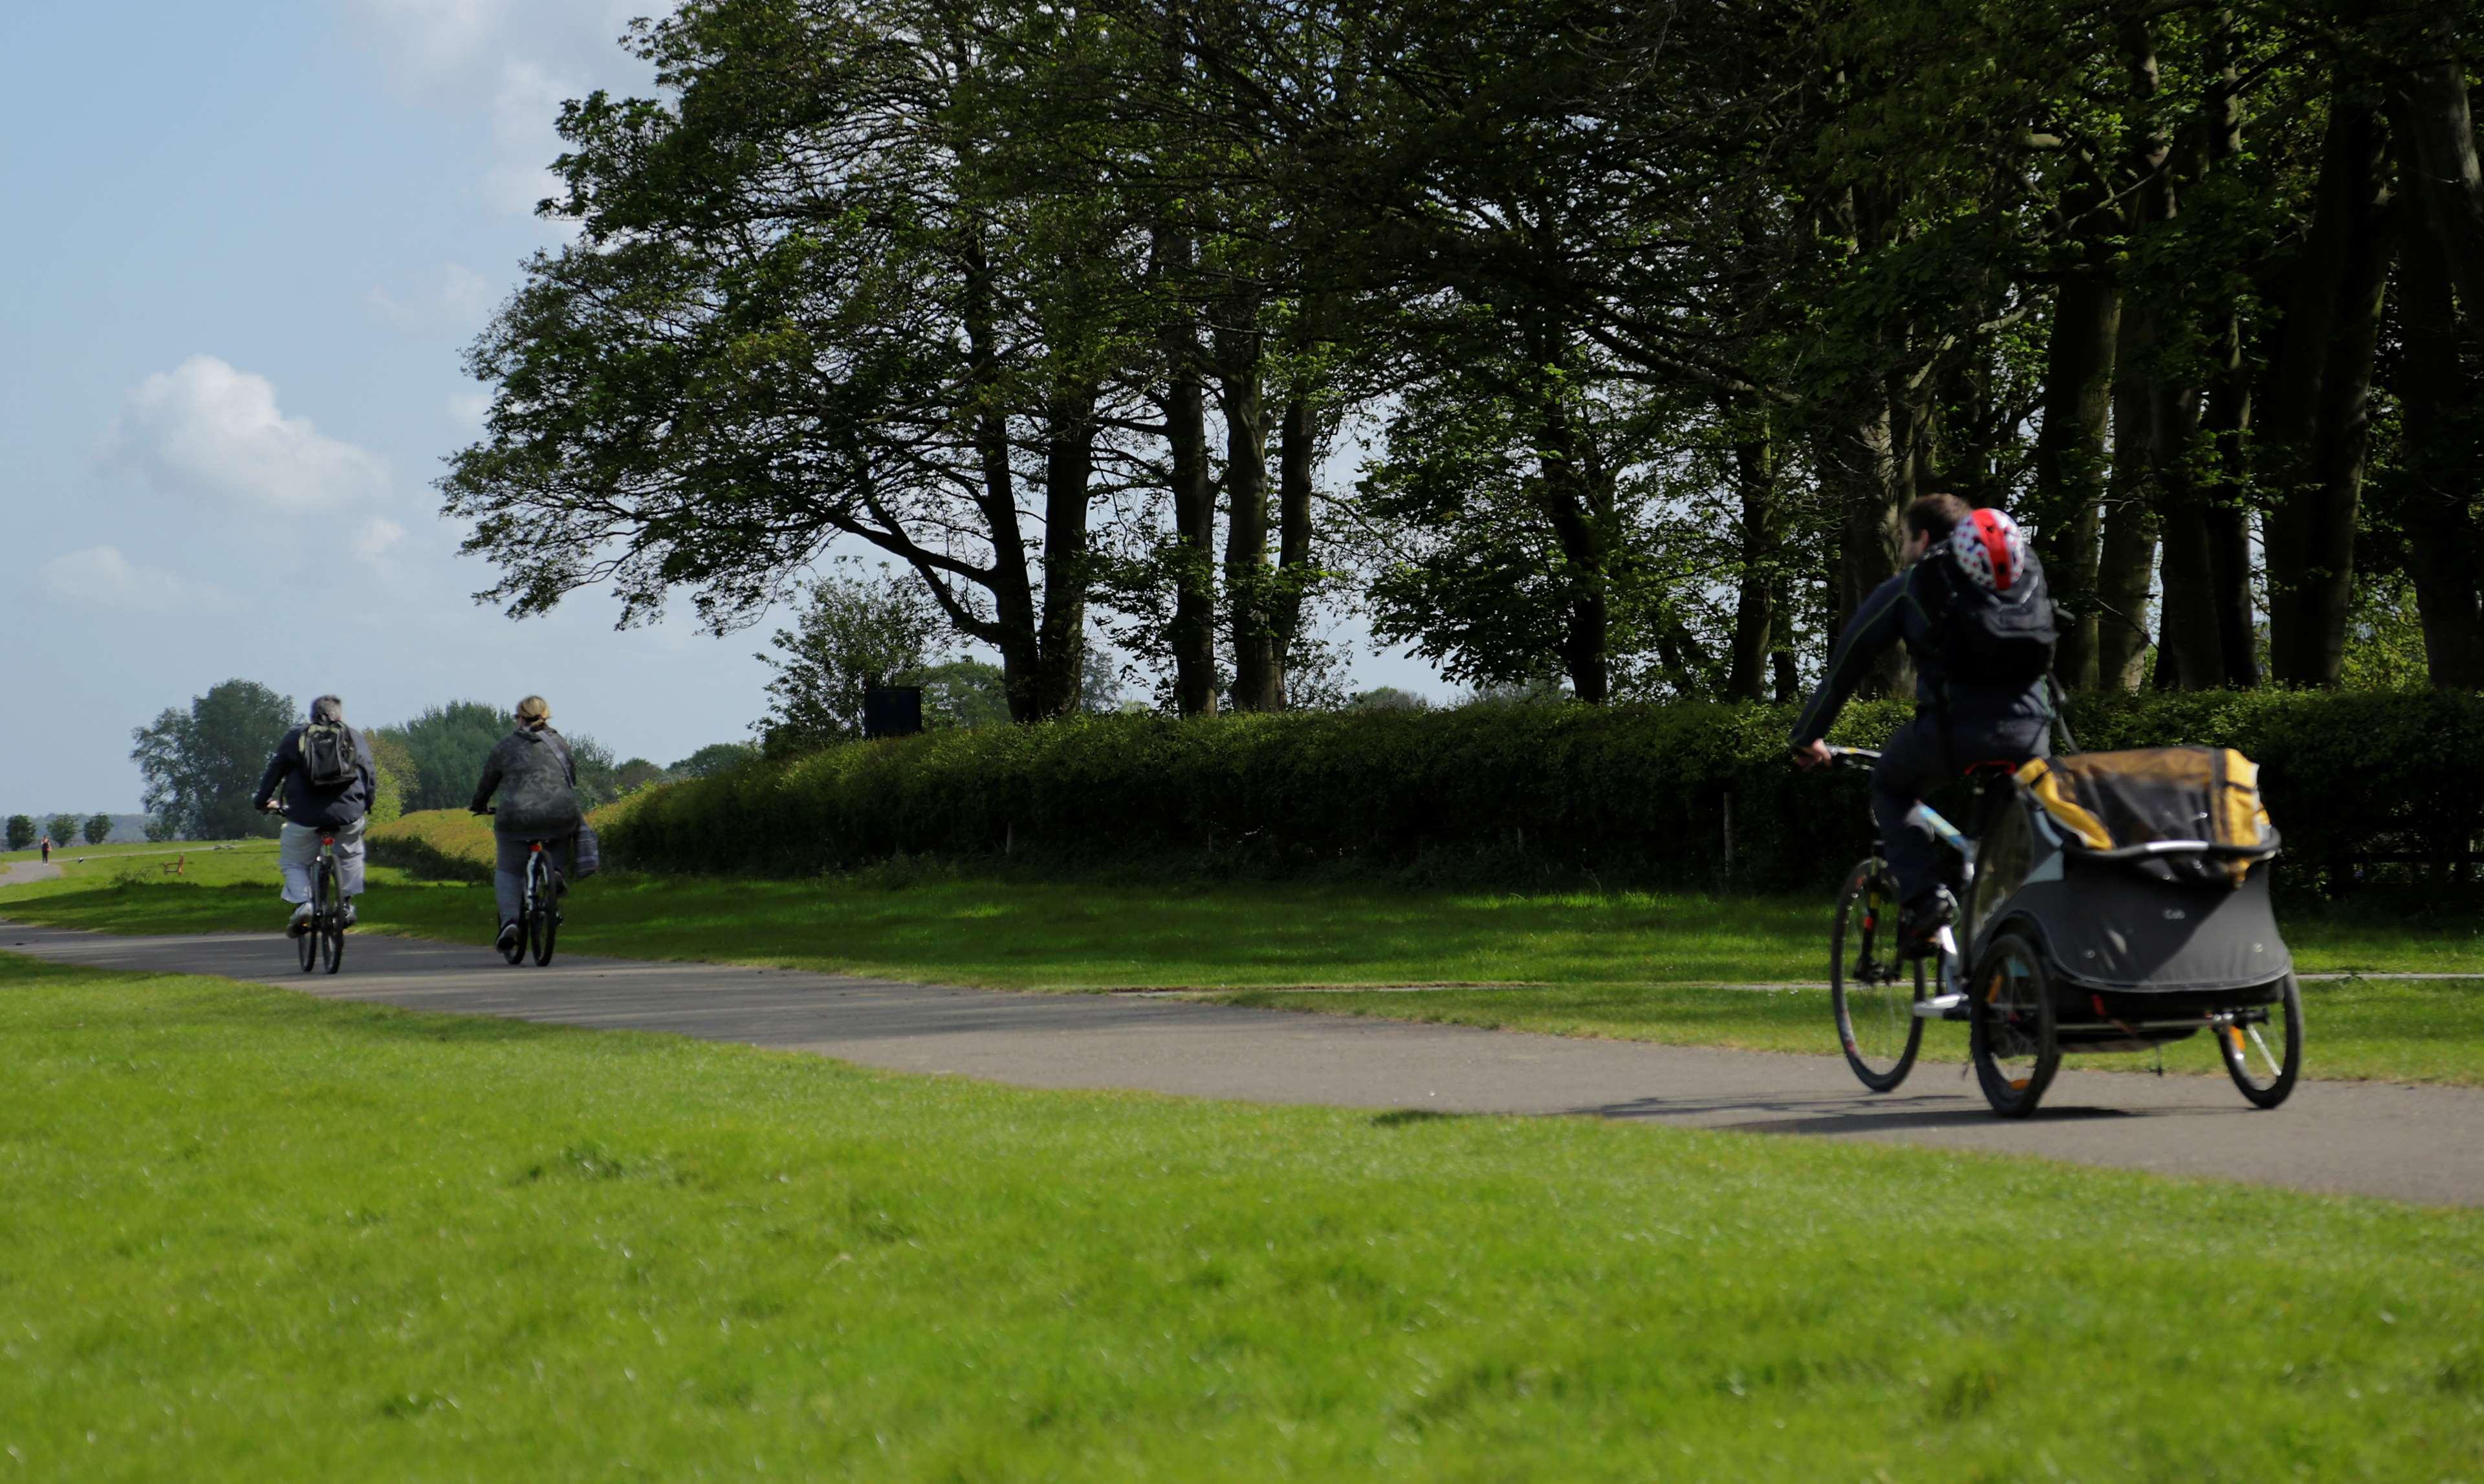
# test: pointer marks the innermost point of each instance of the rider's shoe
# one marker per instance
(301, 922)
(1918, 927)
(349, 912)
(508, 936)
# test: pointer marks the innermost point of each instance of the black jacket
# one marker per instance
(331, 806)
(537, 781)
(1907, 609)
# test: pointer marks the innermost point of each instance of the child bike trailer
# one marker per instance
(2121, 903)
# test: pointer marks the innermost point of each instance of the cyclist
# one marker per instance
(1972, 607)
(329, 779)
(537, 781)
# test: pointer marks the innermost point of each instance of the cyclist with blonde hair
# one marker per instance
(536, 779)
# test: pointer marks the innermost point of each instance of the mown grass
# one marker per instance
(1623, 965)
(252, 1234)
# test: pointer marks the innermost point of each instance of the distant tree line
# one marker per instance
(1657, 316)
(202, 764)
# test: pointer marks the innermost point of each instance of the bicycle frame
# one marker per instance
(1952, 971)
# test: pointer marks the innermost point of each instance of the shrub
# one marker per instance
(1638, 793)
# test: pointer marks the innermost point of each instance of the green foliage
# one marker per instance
(21, 831)
(853, 633)
(1626, 794)
(203, 765)
(635, 775)
(399, 775)
(98, 828)
(599, 776)
(962, 693)
(715, 758)
(448, 745)
(63, 828)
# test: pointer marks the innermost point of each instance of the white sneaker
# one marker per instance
(301, 922)
(349, 913)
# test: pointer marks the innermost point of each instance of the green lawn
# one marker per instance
(252, 1234)
(1620, 966)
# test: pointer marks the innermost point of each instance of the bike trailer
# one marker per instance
(2138, 872)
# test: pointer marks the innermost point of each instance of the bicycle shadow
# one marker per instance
(1832, 1115)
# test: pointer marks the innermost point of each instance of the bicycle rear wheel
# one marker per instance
(2263, 1073)
(307, 944)
(332, 917)
(1872, 990)
(543, 915)
(2012, 1035)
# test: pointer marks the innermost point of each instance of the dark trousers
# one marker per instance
(1917, 760)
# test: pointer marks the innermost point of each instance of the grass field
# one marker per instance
(252, 1234)
(1623, 965)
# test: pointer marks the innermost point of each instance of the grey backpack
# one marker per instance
(327, 755)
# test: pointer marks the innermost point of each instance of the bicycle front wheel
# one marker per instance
(1873, 990)
(543, 915)
(331, 919)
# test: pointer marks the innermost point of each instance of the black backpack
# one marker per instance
(1988, 638)
(328, 754)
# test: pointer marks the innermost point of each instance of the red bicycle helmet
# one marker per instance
(1990, 549)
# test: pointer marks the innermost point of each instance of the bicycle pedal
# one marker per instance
(1942, 1007)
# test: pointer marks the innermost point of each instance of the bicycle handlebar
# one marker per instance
(1859, 755)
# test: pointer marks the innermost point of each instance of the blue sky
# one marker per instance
(244, 248)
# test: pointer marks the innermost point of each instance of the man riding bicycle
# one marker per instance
(1973, 610)
(329, 779)
(537, 781)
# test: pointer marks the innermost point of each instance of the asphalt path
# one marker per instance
(2415, 1144)
(21, 872)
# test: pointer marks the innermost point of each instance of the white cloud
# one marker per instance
(512, 63)
(205, 426)
(469, 408)
(101, 577)
(457, 299)
(374, 536)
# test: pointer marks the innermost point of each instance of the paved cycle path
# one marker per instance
(2408, 1142)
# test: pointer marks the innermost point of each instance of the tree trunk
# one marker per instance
(1069, 467)
(1240, 345)
(1013, 592)
(2438, 162)
(1755, 603)
(2322, 398)
(2225, 495)
(1297, 451)
(1192, 634)
(1580, 512)
(2442, 541)
(1857, 465)
(2069, 460)
(2127, 562)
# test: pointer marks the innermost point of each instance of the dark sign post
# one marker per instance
(892, 710)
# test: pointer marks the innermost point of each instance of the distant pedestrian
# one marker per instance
(47, 849)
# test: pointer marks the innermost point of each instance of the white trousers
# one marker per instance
(297, 853)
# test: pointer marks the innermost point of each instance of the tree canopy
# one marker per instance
(1649, 319)
(201, 765)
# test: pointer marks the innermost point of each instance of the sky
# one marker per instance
(246, 248)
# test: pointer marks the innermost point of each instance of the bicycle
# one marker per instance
(2085, 938)
(322, 940)
(539, 914)
(1878, 998)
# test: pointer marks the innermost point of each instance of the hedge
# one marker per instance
(1623, 794)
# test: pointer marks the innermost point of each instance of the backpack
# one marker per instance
(328, 754)
(1987, 639)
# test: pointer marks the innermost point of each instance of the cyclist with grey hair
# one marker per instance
(329, 779)
(537, 782)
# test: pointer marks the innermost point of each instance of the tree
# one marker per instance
(203, 765)
(855, 633)
(715, 758)
(62, 828)
(448, 745)
(635, 775)
(21, 831)
(599, 776)
(398, 775)
(98, 828)
(960, 694)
